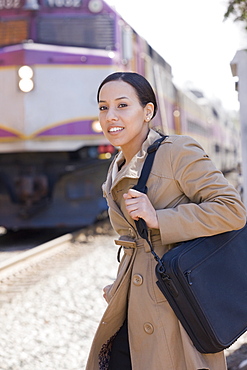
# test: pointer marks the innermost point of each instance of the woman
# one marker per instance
(187, 198)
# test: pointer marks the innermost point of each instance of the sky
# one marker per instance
(192, 36)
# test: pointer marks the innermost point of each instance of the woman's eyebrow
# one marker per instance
(120, 98)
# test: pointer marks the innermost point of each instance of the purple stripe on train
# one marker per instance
(42, 54)
(5, 134)
(72, 128)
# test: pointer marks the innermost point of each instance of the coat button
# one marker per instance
(137, 279)
(148, 328)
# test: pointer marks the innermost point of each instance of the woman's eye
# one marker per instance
(103, 107)
(122, 105)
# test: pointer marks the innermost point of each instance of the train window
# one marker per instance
(215, 113)
(84, 31)
(217, 148)
(197, 128)
(127, 41)
(13, 31)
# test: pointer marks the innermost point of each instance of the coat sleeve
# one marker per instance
(214, 204)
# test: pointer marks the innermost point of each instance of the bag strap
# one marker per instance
(152, 149)
(141, 186)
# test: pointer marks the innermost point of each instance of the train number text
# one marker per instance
(64, 3)
(10, 4)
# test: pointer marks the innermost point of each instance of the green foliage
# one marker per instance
(237, 9)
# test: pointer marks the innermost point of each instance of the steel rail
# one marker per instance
(35, 255)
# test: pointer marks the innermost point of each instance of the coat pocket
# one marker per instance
(122, 271)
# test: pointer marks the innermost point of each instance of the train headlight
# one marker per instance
(96, 127)
(25, 74)
(95, 6)
(176, 113)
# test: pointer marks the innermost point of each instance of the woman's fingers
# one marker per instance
(138, 206)
(134, 203)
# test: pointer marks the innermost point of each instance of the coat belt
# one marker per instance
(127, 243)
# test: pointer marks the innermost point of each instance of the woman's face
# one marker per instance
(123, 120)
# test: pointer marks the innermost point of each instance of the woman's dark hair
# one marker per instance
(142, 87)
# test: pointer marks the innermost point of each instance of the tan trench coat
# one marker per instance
(192, 199)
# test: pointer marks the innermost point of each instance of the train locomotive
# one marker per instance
(53, 155)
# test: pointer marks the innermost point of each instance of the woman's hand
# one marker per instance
(105, 291)
(139, 206)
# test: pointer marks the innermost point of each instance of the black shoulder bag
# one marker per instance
(204, 280)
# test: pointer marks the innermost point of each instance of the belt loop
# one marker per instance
(126, 243)
(147, 247)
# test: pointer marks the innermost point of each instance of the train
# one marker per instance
(53, 155)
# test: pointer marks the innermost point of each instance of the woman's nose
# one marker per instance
(111, 115)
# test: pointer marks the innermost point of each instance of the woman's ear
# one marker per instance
(149, 111)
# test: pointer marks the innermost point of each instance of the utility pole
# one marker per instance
(239, 69)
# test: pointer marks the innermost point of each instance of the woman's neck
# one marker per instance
(131, 149)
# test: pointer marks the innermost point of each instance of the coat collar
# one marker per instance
(133, 169)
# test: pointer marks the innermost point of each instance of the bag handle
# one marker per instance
(141, 186)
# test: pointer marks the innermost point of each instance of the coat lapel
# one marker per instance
(131, 171)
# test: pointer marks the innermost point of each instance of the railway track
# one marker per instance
(20, 269)
(26, 268)
(23, 260)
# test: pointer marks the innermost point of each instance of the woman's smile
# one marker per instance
(115, 130)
